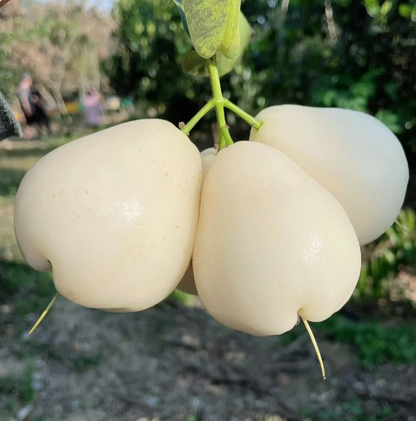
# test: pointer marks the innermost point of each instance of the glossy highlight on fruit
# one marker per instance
(351, 154)
(272, 243)
(113, 215)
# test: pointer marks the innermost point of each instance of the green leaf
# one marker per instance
(182, 15)
(213, 26)
(195, 65)
(225, 64)
(230, 45)
(178, 4)
(390, 257)
(391, 120)
(372, 6)
(386, 8)
(407, 10)
(391, 89)
(411, 220)
(375, 268)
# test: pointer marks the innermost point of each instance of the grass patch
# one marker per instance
(373, 342)
(354, 410)
(10, 179)
(180, 298)
(19, 388)
(24, 292)
(85, 362)
(70, 358)
(19, 278)
(25, 288)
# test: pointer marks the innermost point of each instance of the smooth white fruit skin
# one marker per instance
(187, 283)
(115, 213)
(271, 243)
(352, 154)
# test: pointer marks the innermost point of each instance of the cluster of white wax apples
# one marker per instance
(264, 231)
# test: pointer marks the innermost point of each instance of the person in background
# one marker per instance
(33, 105)
(25, 97)
(94, 108)
(41, 117)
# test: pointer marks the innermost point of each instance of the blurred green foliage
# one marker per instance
(180, 298)
(8, 79)
(20, 387)
(354, 410)
(374, 342)
(151, 43)
(383, 259)
(32, 290)
(339, 53)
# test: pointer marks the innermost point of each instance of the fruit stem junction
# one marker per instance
(218, 99)
(219, 103)
(241, 113)
(201, 113)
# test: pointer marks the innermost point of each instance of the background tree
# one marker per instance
(59, 43)
(8, 77)
(148, 46)
(341, 53)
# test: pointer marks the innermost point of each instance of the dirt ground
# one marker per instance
(175, 363)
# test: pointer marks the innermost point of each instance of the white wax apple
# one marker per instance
(113, 215)
(271, 244)
(353, 155)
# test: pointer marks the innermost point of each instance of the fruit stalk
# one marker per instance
(315, 345)
(218, 99)
(241, 113)
(201, 113)
(220, 103)
(45, 312)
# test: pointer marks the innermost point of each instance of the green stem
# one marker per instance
(241, 113)
(218, 99)
(220, 103)
(202, 112)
